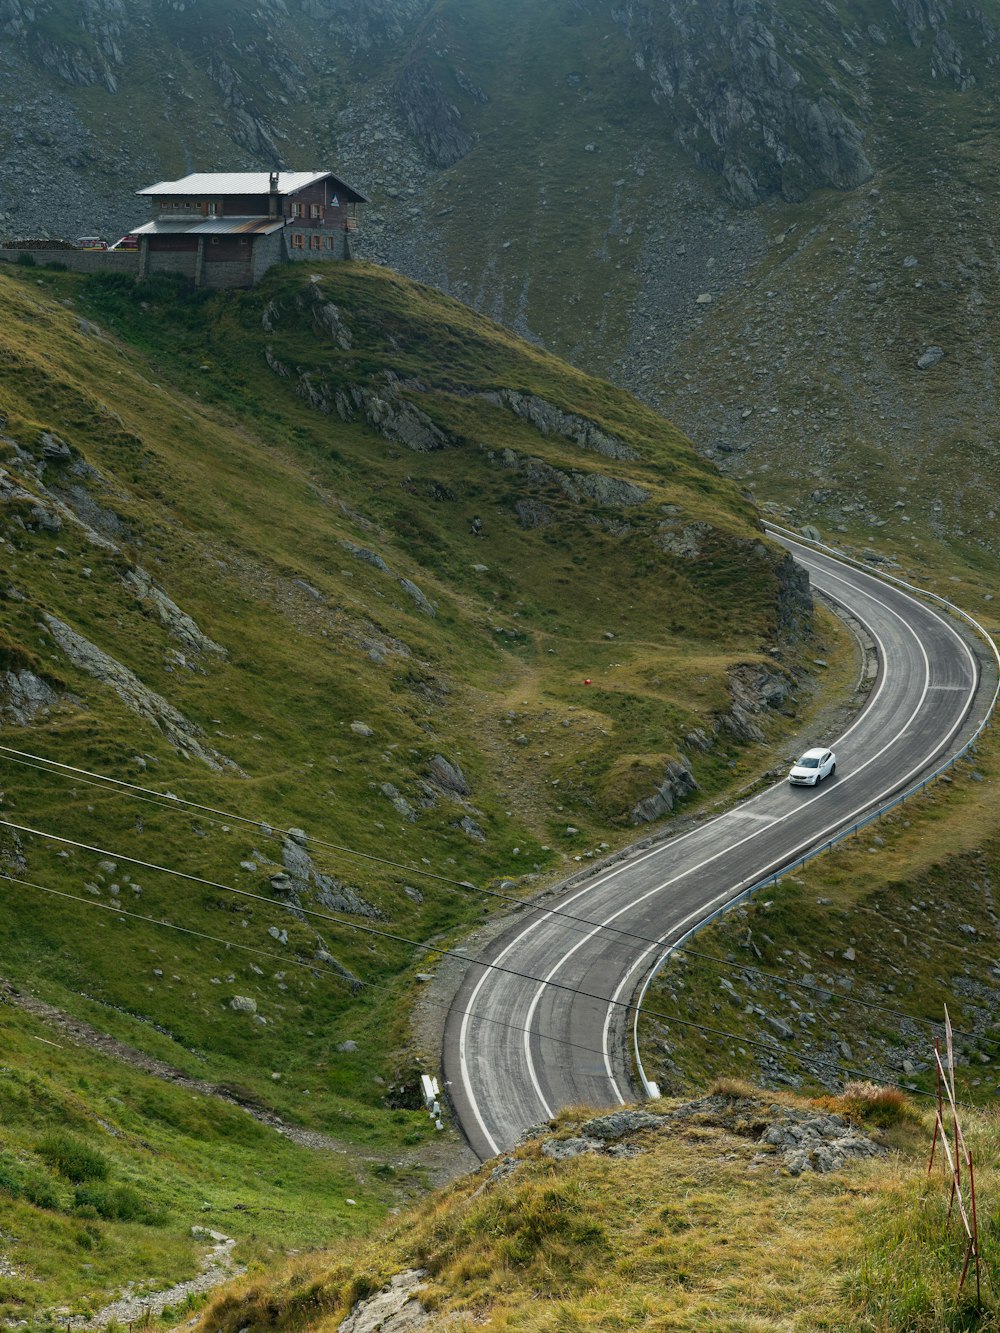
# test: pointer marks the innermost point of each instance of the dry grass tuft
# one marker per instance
(871, 1104)
(733, 1089)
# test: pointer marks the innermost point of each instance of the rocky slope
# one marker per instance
(759, 215)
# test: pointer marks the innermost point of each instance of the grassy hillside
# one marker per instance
(337, 556)
(696, 1221)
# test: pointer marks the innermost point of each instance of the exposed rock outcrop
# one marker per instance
(394, 1309)
(733, 74)
(303, 879)
(612, 492)
(384, 408)
(185, 735)
(177, 622)
(24, 697)
(360, 26)
(754, 689)
(680, 539)
(795, 603)
(551, 420)
(678, 783)
(432, 113)
(792, 1138)
(532, 513)
(95, 54)
(328, 319)
(929, 18)
(362, 553)
(411, 590)
(604, 1135)
(448, 775)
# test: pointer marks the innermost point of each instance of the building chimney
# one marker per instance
(273, 207)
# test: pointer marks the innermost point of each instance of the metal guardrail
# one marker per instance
(849, 830)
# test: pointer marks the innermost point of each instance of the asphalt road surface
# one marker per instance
(545, 1023)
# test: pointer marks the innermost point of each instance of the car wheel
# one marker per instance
(833, 769)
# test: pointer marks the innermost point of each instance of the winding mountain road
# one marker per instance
(545, 1022)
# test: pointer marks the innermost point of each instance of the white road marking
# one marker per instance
(705, 908)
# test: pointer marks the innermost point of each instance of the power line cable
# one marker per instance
(118, 911)
(173, 803)
(313, 968)
(627, 1005)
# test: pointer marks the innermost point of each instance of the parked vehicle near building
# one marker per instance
(91, 242)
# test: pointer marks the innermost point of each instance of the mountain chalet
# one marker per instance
(226, 229)
(222, 229)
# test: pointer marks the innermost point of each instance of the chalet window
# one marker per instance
(331, 243)
(213, 209)
(298, 210)
(297, 240)
(315, 210)
(315, 242)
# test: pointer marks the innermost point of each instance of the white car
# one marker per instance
(812, 768)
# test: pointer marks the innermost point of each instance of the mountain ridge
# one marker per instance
(580, 194)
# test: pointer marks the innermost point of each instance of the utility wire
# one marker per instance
(627, 1005)
(117, 911)
(313, 968)
(173, 803)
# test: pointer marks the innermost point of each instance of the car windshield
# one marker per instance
(808, 762)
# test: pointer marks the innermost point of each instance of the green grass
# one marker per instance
(104, 1171)
(237, 497)
(690, 1233)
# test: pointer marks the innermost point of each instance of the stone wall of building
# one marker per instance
(340, 248)
(172, 261)
(223, 273)
(266, 252)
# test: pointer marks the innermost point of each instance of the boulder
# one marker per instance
(470, 827)
(400, 804)
(447, 774)
(413, 591)
(608, 1128)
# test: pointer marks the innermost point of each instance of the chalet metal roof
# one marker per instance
(247, 182)
(214, 226)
